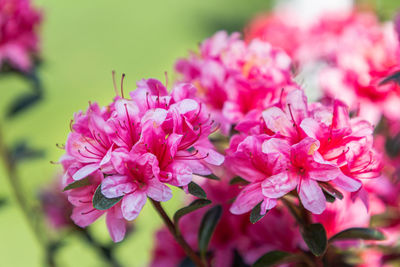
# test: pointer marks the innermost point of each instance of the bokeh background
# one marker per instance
(82, 41)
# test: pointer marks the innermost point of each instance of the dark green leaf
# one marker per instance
(207, 227)
(3, 201)
(315, 237)
(21, 151)
(238, 260)
(77, 184)
(358, 233)
(255, 215)
(195, 205)
(394, 77)
(329, 197)
(330, 190)
(23, 102)
(196, 190)
(211, 176)
(238, 180)
(271, 258)
(100, 202)
(392, 146)
(187, 262)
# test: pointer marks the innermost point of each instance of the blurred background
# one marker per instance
(82, 42)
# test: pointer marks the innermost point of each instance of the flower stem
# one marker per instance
(181, 241)
(16, 188)
(106, 251)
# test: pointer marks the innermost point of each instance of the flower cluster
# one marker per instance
(356, 52)
(18, 33)
(235, 78)
(308, 147)
(130, 150)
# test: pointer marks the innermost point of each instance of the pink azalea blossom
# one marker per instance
(54, 203)
(235, 78)
(134, 148)
(300, 146)
(19, 40)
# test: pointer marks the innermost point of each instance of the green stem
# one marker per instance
(16, 188)
(181, 241)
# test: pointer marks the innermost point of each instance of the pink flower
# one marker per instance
(234, 77)
(56, 208)
(83, 212)
(350, 53)
(343, 214)
(299, 146)
(136, 146)
(136, 179)
(18, 33)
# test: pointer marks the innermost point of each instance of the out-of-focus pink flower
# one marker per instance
(299, 146)
(352, 51)
(134, 147)
(343, 214)
(234, 234)
(19, 21)
(235, 78)
(55, 205)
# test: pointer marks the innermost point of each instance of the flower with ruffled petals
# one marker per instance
(133, 148)
(300, 146)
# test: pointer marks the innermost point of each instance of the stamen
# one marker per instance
(122, 85)
(60, 146)
(70, 125)
(85, 156)
(114, 83)
(85, 213)
(294, 121)
(166, 79)
(147, 100)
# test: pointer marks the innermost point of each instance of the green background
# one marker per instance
(82, 41)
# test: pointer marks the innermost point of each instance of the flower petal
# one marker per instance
(132, 204)
(311, 196)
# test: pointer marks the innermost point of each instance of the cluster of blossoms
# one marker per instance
(18, 37)
(354, 52)
(281, 148)
(132, 149)
(296, 145)
(235, 78)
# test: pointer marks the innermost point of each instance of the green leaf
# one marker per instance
(77, 184)
(272, 258)
(100, 202)
(394, 77)
(211, 176)
(195, 205)
(238, 180)
(187, 262)
(255, 215)
(207, 227)
(196, 190)
(331, 191)
(315, 237)
(329, 198)
(358, 233)
(3, 201)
